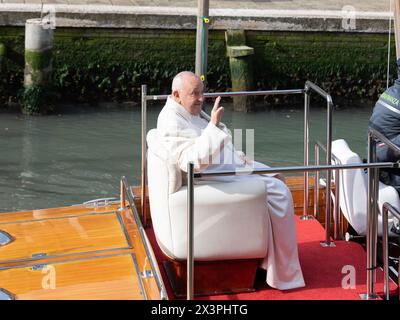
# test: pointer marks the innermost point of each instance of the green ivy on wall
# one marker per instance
(93, 65)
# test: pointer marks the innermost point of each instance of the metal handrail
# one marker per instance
(372, 209)
(146, 98)
(126, 193)
(190, 232)
(379, 136)
(308, 87)
(316, 182)
(328, 168)
(372, 170)
(386, 208)
(235, 94)
(319, 90)
(306, 91)
(336, 211)
(293, 169)
(143, 163)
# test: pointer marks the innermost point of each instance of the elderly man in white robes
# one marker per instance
(191, 135)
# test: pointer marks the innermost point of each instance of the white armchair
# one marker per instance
(230, 218)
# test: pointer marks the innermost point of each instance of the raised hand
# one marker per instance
(217, 112)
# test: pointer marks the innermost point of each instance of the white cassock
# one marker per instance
(210, 148)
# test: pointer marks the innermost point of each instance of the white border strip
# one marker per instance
(384, 104)
(185, 11)
(299, 13)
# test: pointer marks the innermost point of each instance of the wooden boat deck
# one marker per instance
(78, 252)
(89, 251)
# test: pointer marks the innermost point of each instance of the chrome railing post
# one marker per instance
(316, 182)
(336, 212)
(309, 85)
(371, 224)
(328, 211)
(385, 231)
(144, 149)
(375, 213)
(122, 194)
(305, 215)
(190, 230)
(386, 208)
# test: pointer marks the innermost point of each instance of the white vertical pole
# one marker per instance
(202, 38)
(397, 26)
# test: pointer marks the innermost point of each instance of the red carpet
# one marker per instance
(322, 270)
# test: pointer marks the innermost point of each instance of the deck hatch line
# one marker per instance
(62, 255)
(59, 218)
(41, 257)
(63, 261)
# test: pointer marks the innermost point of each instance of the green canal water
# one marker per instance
(81, 155)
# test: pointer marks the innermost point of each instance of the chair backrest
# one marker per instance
(162, 179)
(354, 191)
(353, 187)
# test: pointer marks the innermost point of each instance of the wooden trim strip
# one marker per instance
(123, 227)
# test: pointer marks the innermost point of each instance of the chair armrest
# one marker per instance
(231, 220)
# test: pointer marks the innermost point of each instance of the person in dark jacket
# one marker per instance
(386, 119)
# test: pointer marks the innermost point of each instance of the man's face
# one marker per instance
(191, 96)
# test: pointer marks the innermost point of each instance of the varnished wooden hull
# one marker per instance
(213, 277)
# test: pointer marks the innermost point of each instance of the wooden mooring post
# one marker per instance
(240, 62)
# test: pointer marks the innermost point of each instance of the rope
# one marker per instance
(389, 44)
(41, 13)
